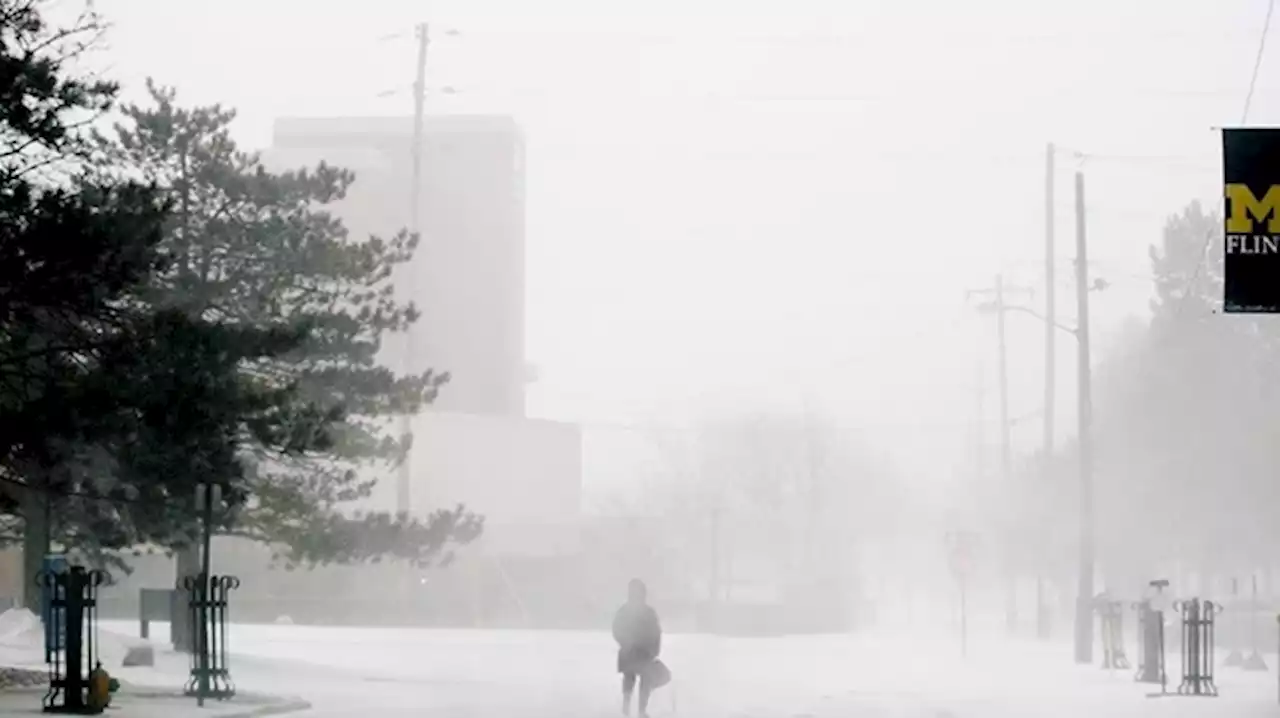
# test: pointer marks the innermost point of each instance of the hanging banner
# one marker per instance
(1251, 220)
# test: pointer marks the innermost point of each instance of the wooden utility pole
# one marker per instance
(421, 33)
(1006, 448)
(979, 430)
(1050, 361)
(1084, 594)
(1050, 302)
(999, 307)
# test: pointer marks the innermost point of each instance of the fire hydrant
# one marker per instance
(101, 686)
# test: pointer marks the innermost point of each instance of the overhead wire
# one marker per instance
(1244, 118)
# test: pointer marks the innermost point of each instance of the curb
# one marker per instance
(273, 707)
(267, 705)
(291, 706)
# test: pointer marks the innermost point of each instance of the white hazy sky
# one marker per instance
(776, 197)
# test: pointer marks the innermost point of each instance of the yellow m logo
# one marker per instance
(1247, 209)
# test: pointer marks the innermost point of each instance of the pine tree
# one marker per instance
(255, 246)
(94, 382)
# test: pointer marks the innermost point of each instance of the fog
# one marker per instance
(732, 342)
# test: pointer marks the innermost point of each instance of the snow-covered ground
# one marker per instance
(486, 674)
(386, 672)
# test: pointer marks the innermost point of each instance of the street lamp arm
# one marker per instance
(1041, 317)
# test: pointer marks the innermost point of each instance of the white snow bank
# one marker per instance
(20, 628)
(22, 641)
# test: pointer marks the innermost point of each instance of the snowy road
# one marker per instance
(514, 674)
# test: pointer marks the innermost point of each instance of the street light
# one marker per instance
(992, 308)
(1084, 613)
(397, 91)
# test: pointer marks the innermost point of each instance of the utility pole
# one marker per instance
(1084, 595)
(1050, 360)
(1006, 450)
(999, 306)
(421, 33)
(979, 432)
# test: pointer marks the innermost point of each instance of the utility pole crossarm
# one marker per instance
(994, 291)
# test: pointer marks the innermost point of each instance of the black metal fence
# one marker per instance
(1198, 619)
(73, 600)
(208, 607)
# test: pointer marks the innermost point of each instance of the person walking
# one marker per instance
(639, 635)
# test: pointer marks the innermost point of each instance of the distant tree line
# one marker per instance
(1186, 420)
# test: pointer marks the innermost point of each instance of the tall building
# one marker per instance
(474, 446)
(468, 275)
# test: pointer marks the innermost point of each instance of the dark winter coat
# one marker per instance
(639, 637)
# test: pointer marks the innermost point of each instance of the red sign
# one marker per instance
(961, 553)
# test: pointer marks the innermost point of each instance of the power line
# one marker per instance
(818, 39)
(827, 156)
(652, 95)
(1244, 118)
(1257, 61)
(660, 428)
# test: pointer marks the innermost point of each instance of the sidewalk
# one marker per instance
(144, 691)
(141, 703)
(1021, 679)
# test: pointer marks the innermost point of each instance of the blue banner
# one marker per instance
(55, 631)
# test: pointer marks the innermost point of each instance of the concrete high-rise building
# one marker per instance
(468, 274)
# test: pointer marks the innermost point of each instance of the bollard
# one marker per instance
(1197, 647)
(208, 608)
(74, 614)
(1111, 627)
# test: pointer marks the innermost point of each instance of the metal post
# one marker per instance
(203, 609)
(207, 494)
(72, 585)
